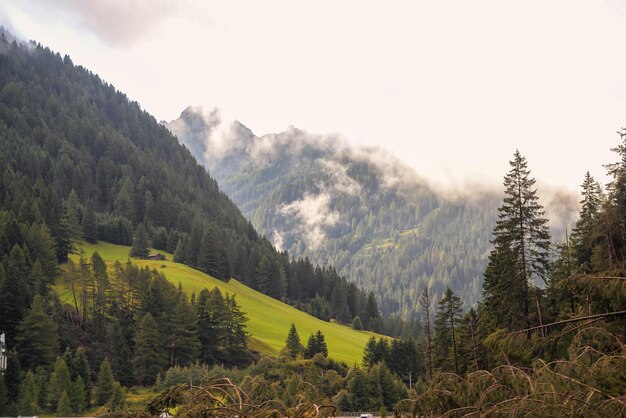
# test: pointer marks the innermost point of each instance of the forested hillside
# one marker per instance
(80, 161)
(81, 158)
(360, 210)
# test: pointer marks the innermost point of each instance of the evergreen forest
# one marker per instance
(537, 328)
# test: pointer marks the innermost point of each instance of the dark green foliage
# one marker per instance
(183, 342)
(63, 238)
(114, 229)
(316, 344)
(90, 228)
(356, 323)
(80, 368)
(520, 255)
(105, 383)
(29, 391)
(64, 407)
(293, 342)
(117, 401)
(37, 340)
(149, 351)
(404, 360)
(4, 396)
(583, 233)
(270, 277)
(14, 293)
(447, 323)
(78, 394)
(141, 246)
(120, 354)
(212, 258)
(60, 383)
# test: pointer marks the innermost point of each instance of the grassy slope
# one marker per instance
(269, 319)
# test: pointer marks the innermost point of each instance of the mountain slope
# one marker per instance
(361, 210)
(269, 319)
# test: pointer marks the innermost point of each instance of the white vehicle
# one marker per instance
(366, 416)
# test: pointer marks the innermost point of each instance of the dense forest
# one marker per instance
(80, 161)
(360, 210)
(547, 339)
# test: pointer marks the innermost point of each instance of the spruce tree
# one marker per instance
(37, 339)
(60, 382)
(105, 383)
(369, 353)
(90, 227)
(141, 246)
(63, 238)
(183, 344)
(447, 321)
(77, 395)
(64, 407)
(117, 401)
(293, 342)
(82, 370)
(29, 391)
(425, 307)
(149, 356)
(583, 233)
(520, 255)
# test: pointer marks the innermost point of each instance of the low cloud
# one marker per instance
(315, 214)
(117, 22)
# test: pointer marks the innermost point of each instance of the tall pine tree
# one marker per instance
(520, 254)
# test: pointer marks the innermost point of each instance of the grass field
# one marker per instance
(269, 319)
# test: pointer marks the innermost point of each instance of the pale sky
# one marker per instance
(450, 87)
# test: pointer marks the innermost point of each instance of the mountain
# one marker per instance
(358, 209)
(81, 162)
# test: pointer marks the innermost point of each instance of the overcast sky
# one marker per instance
(450, 87)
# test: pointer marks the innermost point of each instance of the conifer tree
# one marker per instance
(13, 296)
(372, 315)
(72, 212)
(90, 228)
(117, 401)
(316, 344)
(121, 361)
(184, 345)
(141, 247)
(63, 238)
(425, 307)
(105, 383)
(37, 339)
(369, 353)
(29, 391)
(179, 253)
(60, 382)
(149, 356)
(520, 255)
(81, 369)
(77, 395)
(64, 407)
(293, 342)
(236, 336)
(447, 321)
(583, 233)
(270, 278)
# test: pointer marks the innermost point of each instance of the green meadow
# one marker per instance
(269, 319)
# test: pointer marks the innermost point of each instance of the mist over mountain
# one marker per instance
(360, 209)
